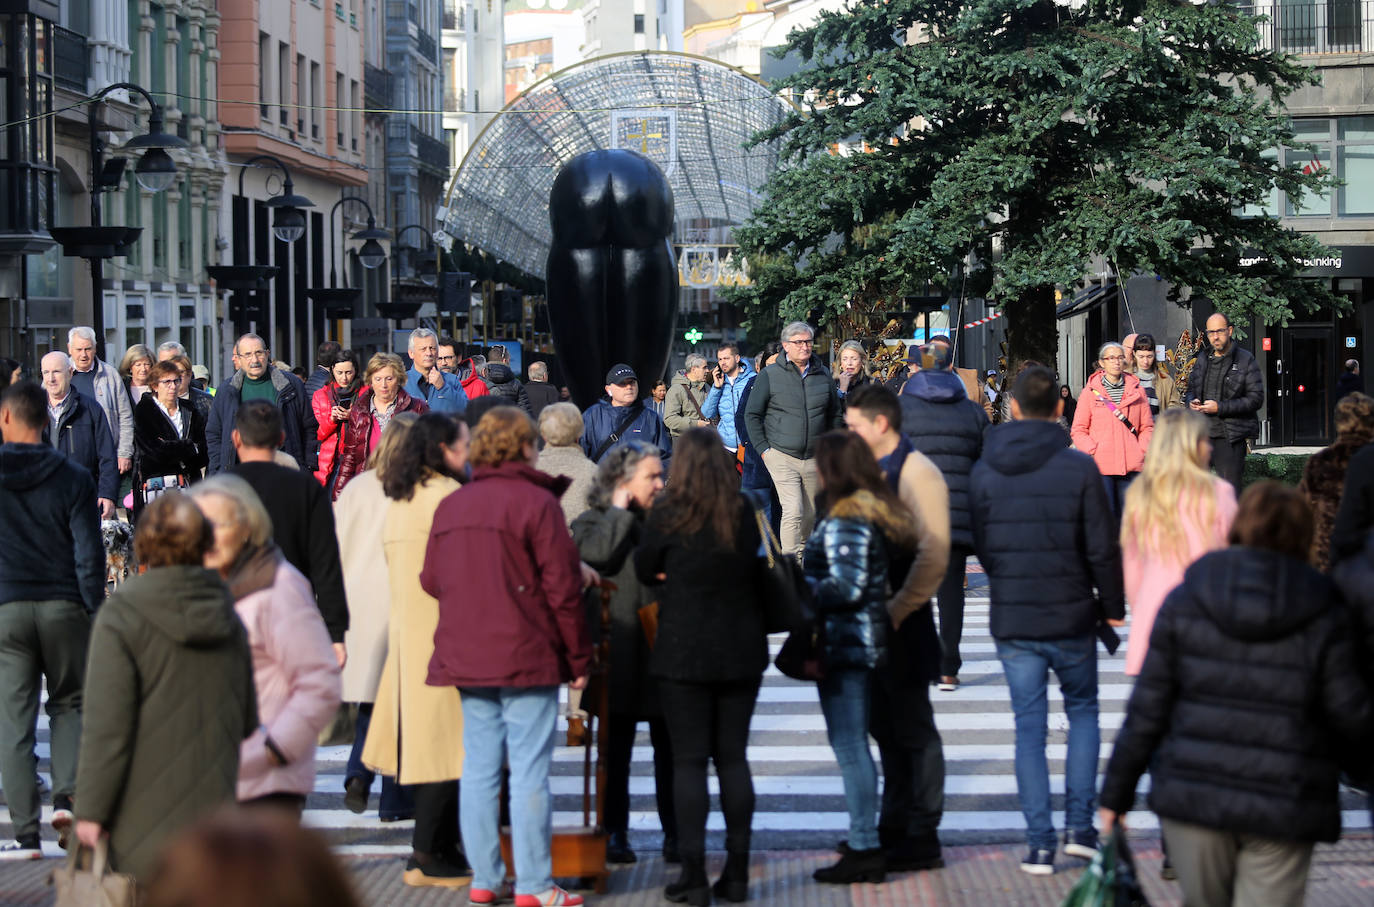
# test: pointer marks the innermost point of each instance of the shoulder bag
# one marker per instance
(787, 608)
(615, 435)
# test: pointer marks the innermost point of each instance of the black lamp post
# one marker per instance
(427, 270)
(337, 300)
(155, 172)
(288, 220)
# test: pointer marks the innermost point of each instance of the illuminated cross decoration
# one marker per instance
(643, 135)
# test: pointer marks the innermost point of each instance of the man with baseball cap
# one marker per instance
(620, 417)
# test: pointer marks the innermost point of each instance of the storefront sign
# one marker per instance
(1338, 261)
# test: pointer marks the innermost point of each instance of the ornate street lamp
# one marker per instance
(155, 172)
(288, 220)
(427, 270)
(338, 301)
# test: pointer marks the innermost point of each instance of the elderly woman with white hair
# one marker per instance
(294, 668)
(683, 407)
(1112, 423)
(560, 425)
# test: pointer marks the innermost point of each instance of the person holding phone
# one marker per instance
(332, 405)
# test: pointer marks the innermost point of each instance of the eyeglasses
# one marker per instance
(256, 354)
(169, 382)
(1113, 358)
(447, 358)
(801, 342)
(1218, 330)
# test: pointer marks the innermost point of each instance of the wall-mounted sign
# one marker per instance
(1350, 343)
(1268, 344)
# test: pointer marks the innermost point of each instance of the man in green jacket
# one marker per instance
(792, 403)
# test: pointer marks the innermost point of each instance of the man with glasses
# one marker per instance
(425, 381)
(791, 403)
(256, 379)
(1228, 388)
(621, 418)
(448, 356)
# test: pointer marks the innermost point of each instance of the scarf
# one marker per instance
(254, 570)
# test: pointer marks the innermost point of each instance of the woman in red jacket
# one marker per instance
(331, 404)
(1112, 423)
(512, 627)
(382, 398)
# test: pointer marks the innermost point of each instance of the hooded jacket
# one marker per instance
(50, 549)
(1248, 703)
(945, 425)
(1098, 432)
(219, 430)
(503, 384)
(789, 410)
(169, 698)
(506, 574)
(1044, 534)
(83, 434)
(726, 402)
(846, 562)
(473, 385)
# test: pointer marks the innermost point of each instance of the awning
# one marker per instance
(1086, 300)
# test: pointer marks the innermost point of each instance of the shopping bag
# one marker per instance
(1110, 880)
(95, 886)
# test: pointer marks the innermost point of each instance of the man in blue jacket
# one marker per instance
(729, 382)
(621, 417)
(77, 426)
(52, 578)
(1048, 541)
(442, 391)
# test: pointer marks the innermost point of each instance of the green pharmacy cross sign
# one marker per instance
(693, 335)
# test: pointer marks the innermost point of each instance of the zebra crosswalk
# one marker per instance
(799, 796)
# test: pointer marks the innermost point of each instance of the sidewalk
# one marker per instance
(1342, 876)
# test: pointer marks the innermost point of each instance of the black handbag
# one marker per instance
(786, 595)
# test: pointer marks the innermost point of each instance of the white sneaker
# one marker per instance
(949, 684)
(18, 850)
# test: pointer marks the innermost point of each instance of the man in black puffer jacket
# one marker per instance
(502, 381)
(1045, 535)
(1227, 386)
(945, 425)
(1247, 706)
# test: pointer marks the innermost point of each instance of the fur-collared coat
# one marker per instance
(1323, 481)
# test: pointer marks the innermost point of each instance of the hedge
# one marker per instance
(1285, 468)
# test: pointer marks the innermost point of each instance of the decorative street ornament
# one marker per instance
(649, 131)
(698, 267)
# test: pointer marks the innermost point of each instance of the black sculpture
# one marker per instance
(611, 276)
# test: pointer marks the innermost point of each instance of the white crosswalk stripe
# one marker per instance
(800, 800)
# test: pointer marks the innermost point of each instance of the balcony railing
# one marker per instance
(431, 151)
(376, 88)
(426, 46)
(71, 62)
(1315, 26)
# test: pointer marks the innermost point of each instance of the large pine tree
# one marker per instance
(1032, 139)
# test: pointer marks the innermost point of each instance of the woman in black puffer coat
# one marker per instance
(1249, 703)
(846, 561)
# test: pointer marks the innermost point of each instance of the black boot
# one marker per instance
(914, 854)
(692, 886)
(733, 884)
(671, 854)
(618, 848)
(855, 866)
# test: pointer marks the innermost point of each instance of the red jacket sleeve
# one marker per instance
(323, 404)
(560, 574)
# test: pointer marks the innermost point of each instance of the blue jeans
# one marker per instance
(1116, 486)
(397, 800)
(518, 721)
(1027, 664)
(846, 700)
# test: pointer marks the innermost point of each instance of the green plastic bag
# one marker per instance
(1110, 880)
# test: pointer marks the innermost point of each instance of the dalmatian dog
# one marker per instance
(118, 537)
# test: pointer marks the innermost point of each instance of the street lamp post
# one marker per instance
(288, 220)
(155, 172)
(371, 256)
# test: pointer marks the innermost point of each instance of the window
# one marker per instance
(355, 101)
(264, 74)
(315, 100)
(1342, 146)
(340, 116)
(284, 82)
(639, 23)
(301, 74)
(1355, 163)
(1317, 132)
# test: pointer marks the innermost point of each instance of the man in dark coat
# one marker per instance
(1227, 387)
(77, 426)
(538, 389)
(944, 424)
(502, 381)
(621, 417)
(52, 578)
(256, 379)
(302, 517)
(1048, 540)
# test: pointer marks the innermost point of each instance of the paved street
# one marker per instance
(800, 811)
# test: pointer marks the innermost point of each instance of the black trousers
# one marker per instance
(436, 819)
(621, 730)
(903, 723)
(1228, 459)
(710, 721)
(951, 601)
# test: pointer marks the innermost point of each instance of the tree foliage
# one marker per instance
(1032, 140)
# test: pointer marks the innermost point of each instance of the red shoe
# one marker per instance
(480, 897)
(554, 897)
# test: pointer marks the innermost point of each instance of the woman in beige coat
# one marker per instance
(416, 733)
(358, 522)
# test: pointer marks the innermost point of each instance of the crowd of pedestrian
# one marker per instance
(419, 540)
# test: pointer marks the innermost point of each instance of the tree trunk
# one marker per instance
(1031, 331)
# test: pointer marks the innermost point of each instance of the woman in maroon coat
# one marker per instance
(511, 628)
(382, 398)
